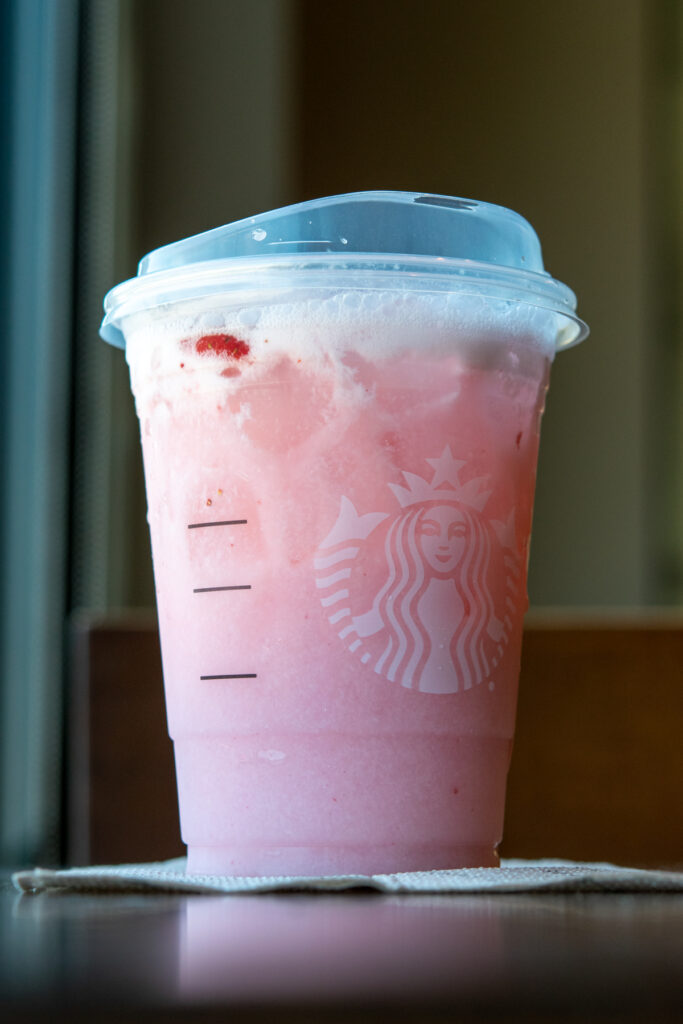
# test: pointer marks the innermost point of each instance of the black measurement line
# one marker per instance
(211, 590)
(222, 522)
(237, 675)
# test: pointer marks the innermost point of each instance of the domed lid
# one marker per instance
(391, 223)
(370, 230)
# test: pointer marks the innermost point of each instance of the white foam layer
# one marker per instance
(322, 329)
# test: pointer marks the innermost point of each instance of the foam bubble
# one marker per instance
(212, 320)
(249, 317)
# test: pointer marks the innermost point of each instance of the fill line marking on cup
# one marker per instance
(221, 522)
(211, 590)
(236, 675)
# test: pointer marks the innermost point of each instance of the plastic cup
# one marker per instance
(339, 406)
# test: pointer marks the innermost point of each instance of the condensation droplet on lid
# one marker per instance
(258, 234)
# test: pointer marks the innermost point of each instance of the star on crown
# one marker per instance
(445, 485)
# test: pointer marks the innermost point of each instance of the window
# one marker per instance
(38, 152)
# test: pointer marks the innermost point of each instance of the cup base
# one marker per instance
(309, 861)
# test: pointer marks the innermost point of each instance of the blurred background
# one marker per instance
(126, 124)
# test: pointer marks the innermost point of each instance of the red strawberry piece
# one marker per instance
(222, 345)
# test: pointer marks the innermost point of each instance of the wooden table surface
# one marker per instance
(337, 957)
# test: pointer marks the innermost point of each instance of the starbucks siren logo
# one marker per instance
(445, 582)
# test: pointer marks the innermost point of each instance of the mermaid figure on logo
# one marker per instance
(436, 613)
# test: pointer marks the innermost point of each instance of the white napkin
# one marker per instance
(511, 876)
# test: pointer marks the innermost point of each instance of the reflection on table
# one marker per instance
(585, 957)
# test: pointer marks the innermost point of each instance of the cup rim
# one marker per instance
(240, 279)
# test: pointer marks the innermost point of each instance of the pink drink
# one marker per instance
(340, 492)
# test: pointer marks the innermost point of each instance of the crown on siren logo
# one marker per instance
(445, 485)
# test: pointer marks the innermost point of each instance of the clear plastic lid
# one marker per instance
(445, 242)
